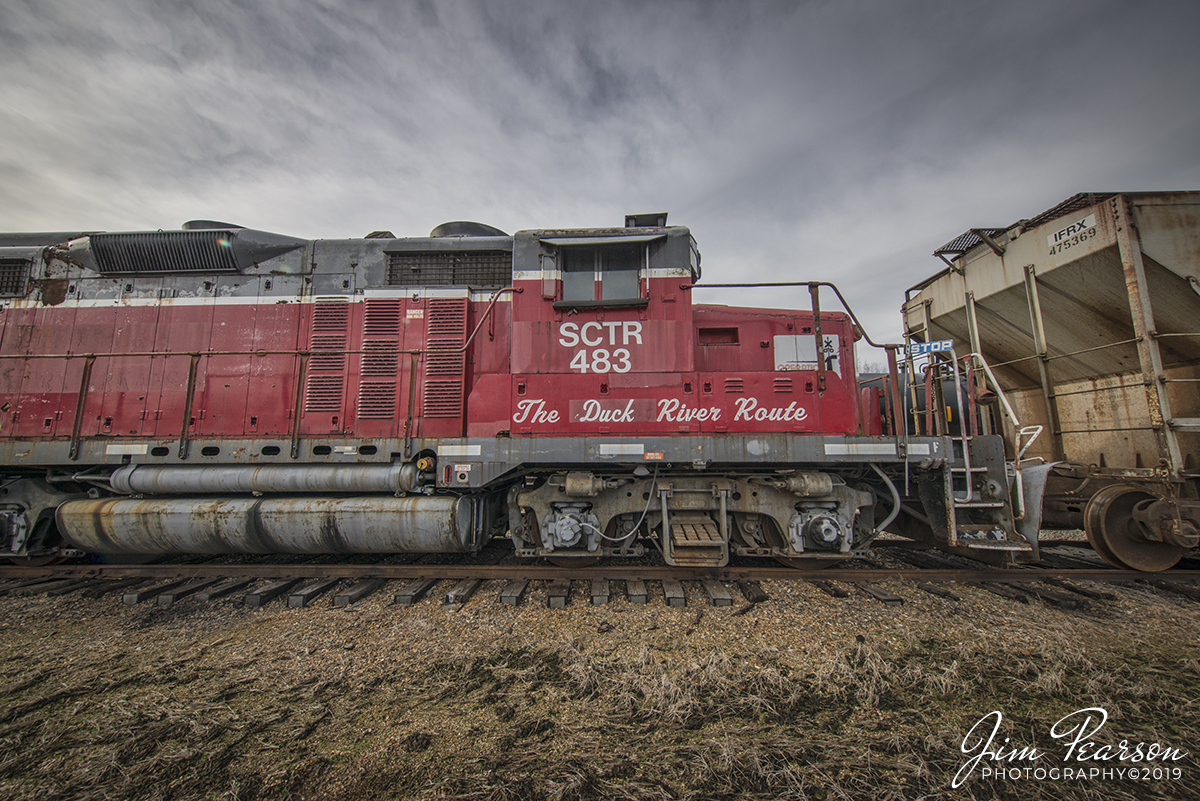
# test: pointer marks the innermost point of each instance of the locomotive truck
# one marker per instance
(218, 389)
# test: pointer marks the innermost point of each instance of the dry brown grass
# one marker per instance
(145, 704)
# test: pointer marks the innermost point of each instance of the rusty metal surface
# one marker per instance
(440, 524)
(244, 479)
(1150, 355)
(1112, 337)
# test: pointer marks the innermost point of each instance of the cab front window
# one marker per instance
(609, 273)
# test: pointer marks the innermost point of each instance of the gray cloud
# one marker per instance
(841, 141)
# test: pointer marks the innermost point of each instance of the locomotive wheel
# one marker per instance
(807, 563)
(1113, 533)
(573, 561)
(35, 561)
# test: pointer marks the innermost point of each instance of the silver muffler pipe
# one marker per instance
(268, 478)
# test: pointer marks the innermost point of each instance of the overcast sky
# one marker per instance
(840, 141)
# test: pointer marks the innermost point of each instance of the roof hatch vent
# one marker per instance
(466, 228)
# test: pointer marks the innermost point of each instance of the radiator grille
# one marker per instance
(205, 251)
(326, 381)
(323, 393)
(14, 277)
(445, 371)
(377, 400)
(381, 318)
(380, 363)
(481, 268)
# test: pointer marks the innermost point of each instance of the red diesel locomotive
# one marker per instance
(222, 390)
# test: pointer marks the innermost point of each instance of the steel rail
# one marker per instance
(549, 573)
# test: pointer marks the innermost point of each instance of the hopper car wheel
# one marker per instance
(1113, 533)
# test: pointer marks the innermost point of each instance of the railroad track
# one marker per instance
(551, 573)
(300, 584)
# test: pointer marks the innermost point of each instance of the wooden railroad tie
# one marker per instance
(559, 594)
(414, 591)
(306, 595)
(221, 590)
(462, 591)
(881, 595)
(635, 590)
(512, 592)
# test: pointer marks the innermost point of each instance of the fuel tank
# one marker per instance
(441, 524)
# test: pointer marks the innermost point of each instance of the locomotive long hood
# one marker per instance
(205, 250)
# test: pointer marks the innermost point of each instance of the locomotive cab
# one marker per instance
(601, 328)
(616, 370)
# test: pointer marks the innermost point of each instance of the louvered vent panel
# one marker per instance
(207, 251)
(14, 277)
(445, 371)
(377, 385)
(783, 385)
(381, 319)
(380, 365)
(331, 314)
(734, 385)
(326, 382)
(377, 400)
(323, 393)
(445, 364)
(325, 364)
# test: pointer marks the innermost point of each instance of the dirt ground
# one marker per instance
(804, 696)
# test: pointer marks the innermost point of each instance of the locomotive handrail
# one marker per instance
(810, 285)
(892, 396)
(483, 318)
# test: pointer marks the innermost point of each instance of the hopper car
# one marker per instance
(217, 389)
(1089, 317)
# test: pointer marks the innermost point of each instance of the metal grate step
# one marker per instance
(696, 542)
(695, 535)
